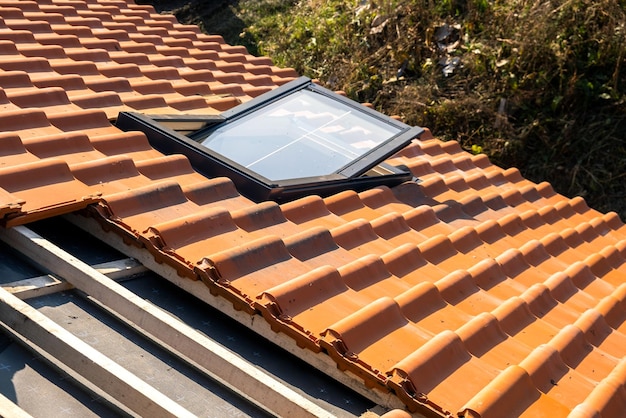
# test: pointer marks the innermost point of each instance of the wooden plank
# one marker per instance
(45, 285)
(36, 286)
(89, 363)
(121, 269)
(219, 363)
(10, 409)
(256, 323)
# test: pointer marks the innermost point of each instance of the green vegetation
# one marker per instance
(535, 84)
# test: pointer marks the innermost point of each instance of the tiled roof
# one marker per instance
(472, 292)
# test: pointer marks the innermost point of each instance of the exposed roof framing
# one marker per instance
(198, 289)
(104, 374)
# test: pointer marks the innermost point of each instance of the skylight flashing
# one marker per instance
(296, 140)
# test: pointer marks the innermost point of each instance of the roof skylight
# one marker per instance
(304, 134)
(295, 140)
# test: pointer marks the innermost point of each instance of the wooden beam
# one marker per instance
(219, 363)
(121, 269)
(36, 286)
(89, 363)
(10, 409)
(258, 324)
(45, 285)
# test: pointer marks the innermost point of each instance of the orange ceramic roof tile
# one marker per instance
(50, 187)
(456, 215)
(489, 276)
(38, 50)
(306, 305)
(563, 289)
(412, 194)
(311, 211)
(424, 378)
(12, 150)
(71, 83)
(5, 104)
(359, 238)
(109, 175)
(440, 250)
(245, 271)
(370, 277)
(266, 218)
(190, 238)
(10, 13)
(71, 147)
(601, 267)
(10, 205)
(599, 334)
(111, 141)
(28, 25)
(585, 279)
(423, 305)
(424, 219)
(145, 206)
(579, 354)
(516, 267)
(459, 289)
(470, 291)
(52, 16)
(439, 188)
(27, 123)
(535, 254)
(18, 36)
(513, 391)
(613, 309)
(606, 398)
(394, 228)
(485, 208)
(519, 322)
(218, 191)
(317, 247)
(82, 31)
(382, 198)
(8, 48)
(173, 167)
(349, 206)
(51, 99)
(373, 338)
(544, 306)
(485, 339)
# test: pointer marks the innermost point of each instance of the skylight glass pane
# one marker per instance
(304, 134)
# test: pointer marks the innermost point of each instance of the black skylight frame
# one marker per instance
(355, 175)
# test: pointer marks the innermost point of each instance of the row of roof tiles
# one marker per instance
(378, 306)
(121, 56)
(473, 292)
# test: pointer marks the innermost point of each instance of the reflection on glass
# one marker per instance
(304, 134)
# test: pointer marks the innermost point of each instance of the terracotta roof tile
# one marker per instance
(187, 240)
(304, 306)
(50, 188)
(427, 374)
(470, 291)
(109, 175)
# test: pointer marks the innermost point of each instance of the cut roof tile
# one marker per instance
(470, 291)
